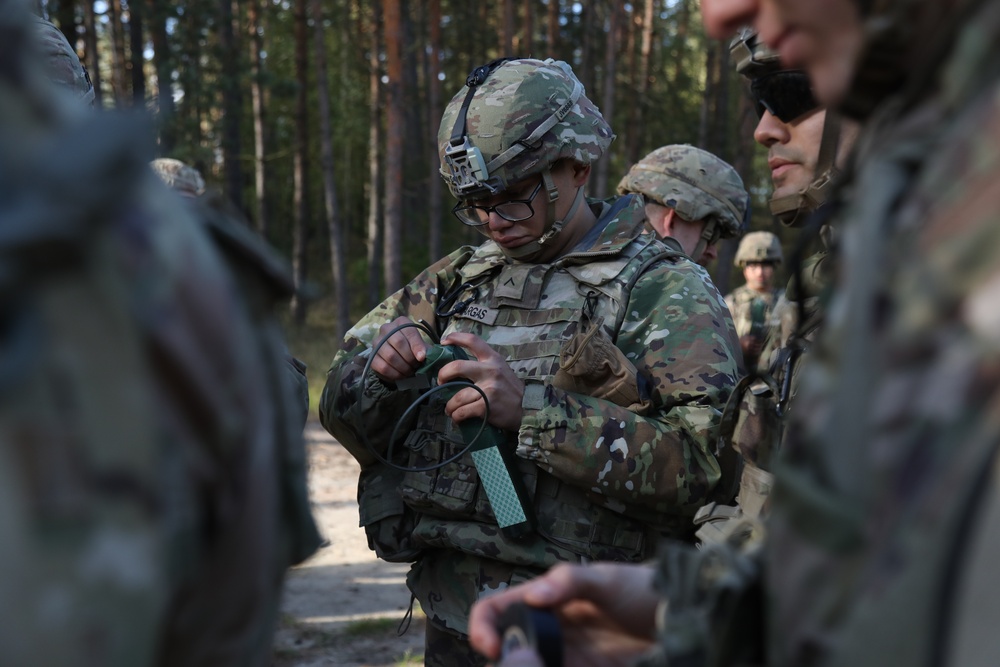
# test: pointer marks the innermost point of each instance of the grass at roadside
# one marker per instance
(315, 343)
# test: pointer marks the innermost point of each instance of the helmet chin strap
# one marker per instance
(530, 251)
(708, 236)
(791, 210)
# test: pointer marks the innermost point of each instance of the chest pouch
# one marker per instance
(591, 364)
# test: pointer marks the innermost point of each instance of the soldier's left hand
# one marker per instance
(490, 372)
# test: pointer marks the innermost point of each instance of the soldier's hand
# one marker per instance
(402, 354)
(751, 346)
(606, 611)
(490, 372)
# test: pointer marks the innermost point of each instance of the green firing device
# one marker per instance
(494, 461)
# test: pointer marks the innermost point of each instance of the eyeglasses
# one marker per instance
(786, 94)
(512, 210)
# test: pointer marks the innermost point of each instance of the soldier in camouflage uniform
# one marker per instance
(807, 146)
(151, 473)
(692, 198)
(883, 535)
(603, 354)
(752, 303)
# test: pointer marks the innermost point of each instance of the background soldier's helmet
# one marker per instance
(758, 247)
(695, 183)
(61, 63)
(523, 115)
(179, 176)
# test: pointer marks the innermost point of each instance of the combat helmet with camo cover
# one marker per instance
(786, 93)
(697, 185)
(181, 177)
(513, 119)
(758, 247)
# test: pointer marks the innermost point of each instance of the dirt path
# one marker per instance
(343, 606)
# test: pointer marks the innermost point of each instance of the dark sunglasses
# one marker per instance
(786, 94)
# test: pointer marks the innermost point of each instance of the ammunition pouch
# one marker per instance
(569, 518)
(591, 364)
(387, 521)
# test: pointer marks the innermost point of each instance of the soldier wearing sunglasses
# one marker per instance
(805, 144)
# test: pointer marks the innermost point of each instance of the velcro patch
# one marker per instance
(479, 313)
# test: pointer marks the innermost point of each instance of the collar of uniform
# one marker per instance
(620, 220)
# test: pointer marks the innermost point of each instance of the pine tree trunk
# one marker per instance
(706, 115)
(334, 223)
(637, 111)
(395, 140)
(137, 59)
(92, 58)
(374, 236)
(527, 45)
(116, 32)
(600, 187)
(232, 104)
(255, 29)
(65, 18)
(434, 194)
(552, 35)
(507, 36)
(300, 200)
(162, 59)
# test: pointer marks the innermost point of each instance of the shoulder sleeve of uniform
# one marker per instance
(343, 410)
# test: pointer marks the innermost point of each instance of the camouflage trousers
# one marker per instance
(446, 648)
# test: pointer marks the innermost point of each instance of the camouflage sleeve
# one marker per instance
(343, 411)
(676, 333)
(715, 614)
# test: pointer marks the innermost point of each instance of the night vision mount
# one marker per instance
(465, 162)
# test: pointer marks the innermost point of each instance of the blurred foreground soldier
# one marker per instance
(884, 530)
(691, 196)
(256, 265)
(151, 471)
(601, 356)
(752, 303)
(61, 64)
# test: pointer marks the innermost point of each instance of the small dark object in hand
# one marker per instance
(520, 625)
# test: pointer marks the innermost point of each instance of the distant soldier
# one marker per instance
(691, 196)
(752, 303)
(151, 467)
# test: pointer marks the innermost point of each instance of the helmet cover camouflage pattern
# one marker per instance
(758, 247)
(62, 64)
(752, 56)
(693, 182)
(519, 98)
(179, 176)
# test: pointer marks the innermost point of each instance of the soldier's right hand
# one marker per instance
(606, 612)
(402, 354)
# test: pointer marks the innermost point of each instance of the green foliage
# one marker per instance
(674, 107)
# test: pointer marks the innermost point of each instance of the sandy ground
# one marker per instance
(343, 606)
